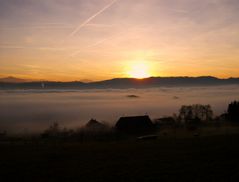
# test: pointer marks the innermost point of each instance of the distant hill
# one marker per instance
(12, 79)
(164, 81)
(122, 83)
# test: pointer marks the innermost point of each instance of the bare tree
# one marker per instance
(197, 111)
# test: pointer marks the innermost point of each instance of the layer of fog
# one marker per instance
(35, 110)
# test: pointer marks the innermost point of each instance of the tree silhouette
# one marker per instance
(195, 112)
(52, 131)
(233, 111)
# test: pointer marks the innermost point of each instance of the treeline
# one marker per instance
(194, 116)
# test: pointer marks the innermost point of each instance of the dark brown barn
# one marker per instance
(135, 124)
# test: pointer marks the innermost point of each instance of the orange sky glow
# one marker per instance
(97, 40)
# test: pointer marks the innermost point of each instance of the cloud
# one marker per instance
(39, 26)
(26, 47)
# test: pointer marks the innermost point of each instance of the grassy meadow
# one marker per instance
(172, 157)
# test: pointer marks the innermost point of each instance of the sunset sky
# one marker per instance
(102, 39)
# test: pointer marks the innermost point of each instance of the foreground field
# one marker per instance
(214, 158)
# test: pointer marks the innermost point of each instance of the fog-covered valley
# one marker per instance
(34, 110)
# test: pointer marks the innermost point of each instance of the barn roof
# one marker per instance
(133, 123)
(135, 118)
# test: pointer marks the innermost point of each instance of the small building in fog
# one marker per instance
(93, 124)
(135, 124)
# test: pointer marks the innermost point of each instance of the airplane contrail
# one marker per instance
(95, 44)
(106, 39)
(91, 18)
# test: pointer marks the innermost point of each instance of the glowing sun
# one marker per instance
(138, 70)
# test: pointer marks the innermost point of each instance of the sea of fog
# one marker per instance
(35, 110)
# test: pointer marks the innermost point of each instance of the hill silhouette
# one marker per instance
(121, 83)
(11, 79)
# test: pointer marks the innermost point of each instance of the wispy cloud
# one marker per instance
(26, 47)
(97, 25)
(39, 26)
(176, 10)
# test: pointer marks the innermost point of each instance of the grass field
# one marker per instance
(214, 158)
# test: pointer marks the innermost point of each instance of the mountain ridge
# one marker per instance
(11, 79)
(125, 83)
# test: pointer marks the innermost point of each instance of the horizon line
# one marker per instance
(26, 80)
